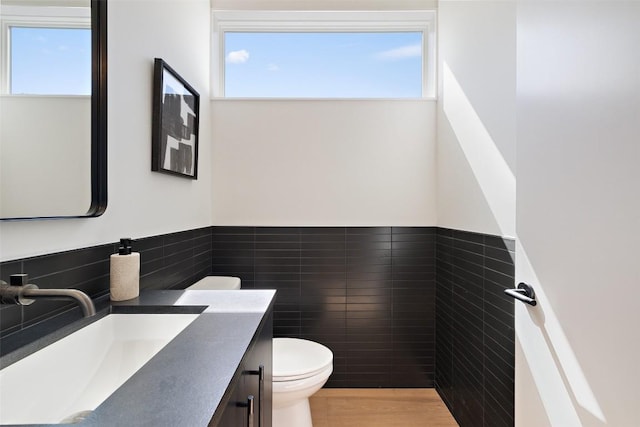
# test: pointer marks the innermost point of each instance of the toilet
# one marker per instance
(300, 368)
(210, 283)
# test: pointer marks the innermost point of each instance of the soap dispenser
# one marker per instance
(125, 272)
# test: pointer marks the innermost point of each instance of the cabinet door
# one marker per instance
(250, 398)
(259, 375)
(235, 411)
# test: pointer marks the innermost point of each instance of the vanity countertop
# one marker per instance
(185, 383)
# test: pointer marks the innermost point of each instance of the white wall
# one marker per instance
(476, 116)
(578, 213)
(323, 162)
(141, 202)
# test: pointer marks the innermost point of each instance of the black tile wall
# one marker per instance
(475, 341)
(374, 295)
(167, 261)
(176, 260)
(368, 293)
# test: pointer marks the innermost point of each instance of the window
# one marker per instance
(354, 55)
(50, 61)
(323, 65)
(47, 50)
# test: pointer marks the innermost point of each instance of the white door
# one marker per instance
(578, 213)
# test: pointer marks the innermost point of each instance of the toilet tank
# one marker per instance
(216, 283)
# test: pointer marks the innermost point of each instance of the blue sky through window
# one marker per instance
(323, 65)
(50, 61)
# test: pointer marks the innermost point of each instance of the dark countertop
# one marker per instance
(186, 381)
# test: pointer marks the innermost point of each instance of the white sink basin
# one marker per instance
(80, 371)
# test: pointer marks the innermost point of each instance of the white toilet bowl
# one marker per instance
(300, 368)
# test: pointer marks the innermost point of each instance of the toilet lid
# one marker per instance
(295, 358)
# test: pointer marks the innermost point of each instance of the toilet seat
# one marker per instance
(296, 359)
(293, 386)
(305, 375)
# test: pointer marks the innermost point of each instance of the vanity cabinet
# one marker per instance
(203, 376)
(250, 392)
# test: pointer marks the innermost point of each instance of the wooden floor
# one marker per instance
(334, 407)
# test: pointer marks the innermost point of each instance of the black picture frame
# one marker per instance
(176, 120)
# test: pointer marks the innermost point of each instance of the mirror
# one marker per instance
(53, 134)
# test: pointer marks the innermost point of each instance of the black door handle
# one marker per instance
(523, 293)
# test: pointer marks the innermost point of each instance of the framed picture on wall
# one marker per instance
(176, 109)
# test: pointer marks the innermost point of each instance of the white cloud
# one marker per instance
(238, 57)
(403, 52)
(273, 67)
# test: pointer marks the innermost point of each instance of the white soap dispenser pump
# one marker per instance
(125, 272)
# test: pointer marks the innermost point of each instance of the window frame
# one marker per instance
(35, 17)
(423, 21)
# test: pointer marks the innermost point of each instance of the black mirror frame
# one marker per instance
(98, 115)
(98, 108)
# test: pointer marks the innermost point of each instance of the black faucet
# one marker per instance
(22, 293)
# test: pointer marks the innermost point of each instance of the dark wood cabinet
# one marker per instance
(249, 401)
